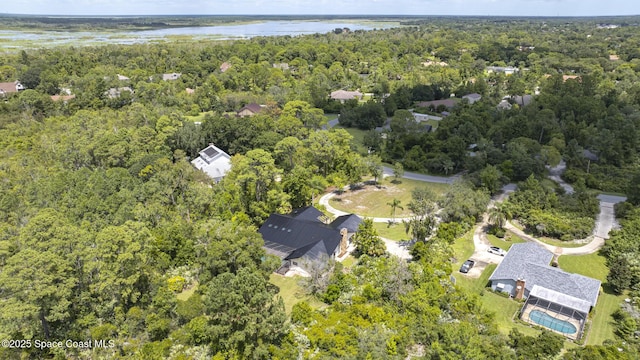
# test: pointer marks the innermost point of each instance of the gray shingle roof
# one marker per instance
(350, 222)
(302, 234)
(512, 266)
(292, 238)
(530, 262)
(306, 213)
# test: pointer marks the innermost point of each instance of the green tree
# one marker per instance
(40, 287)
(286, 150)
(499, 214)
(245, 315)
(367, 240)
(398, 171)
(462, 203)
(395, 204)
(490, 178)
(374, 165)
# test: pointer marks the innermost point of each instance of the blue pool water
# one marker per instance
(546, 320)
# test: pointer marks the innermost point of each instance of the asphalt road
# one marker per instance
(422, 177)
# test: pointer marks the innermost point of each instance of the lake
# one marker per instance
(10, 39)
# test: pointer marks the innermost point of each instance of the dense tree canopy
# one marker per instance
(108, 232)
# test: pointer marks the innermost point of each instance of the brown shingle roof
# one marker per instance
(8, 87)
(253, 107)
(449, 103)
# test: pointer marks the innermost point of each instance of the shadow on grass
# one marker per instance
(608, 289)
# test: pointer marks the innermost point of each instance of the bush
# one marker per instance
(498, 232)
(176, 283)
(622, 209)
(560, 226)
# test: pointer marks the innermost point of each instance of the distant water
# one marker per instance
(266, 28)
(26, 39)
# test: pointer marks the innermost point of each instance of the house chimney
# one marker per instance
(344, 242)
(520, 283)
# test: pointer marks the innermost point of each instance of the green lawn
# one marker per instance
(594, 265)
(292, 293)
(434, 124)
(358, 137)
(475, 285)
(505, 243)
(506, 311)
(186, 294)
(372, 200)
(349, 262)
(198, 118)
(556, 242)
(394, 232)
(463, 249)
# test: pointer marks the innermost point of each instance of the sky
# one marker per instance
(324, 7)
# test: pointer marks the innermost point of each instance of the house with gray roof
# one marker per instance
(302, 237)
(472, 98)
(213, 161)
(556, 299)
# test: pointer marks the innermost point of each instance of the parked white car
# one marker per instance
(496, 250)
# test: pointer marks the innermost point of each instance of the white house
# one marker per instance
(213, 161)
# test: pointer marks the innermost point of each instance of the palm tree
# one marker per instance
(395, 204)
(499, 214)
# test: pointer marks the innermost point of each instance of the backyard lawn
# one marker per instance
(292, 293)
(371, 200)
(594, 265)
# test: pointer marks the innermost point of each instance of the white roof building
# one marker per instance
(213, 161)
(170, 77)
(472, 98)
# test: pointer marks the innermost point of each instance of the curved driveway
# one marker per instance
(604, 223)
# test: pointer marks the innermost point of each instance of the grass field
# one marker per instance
(358, 137)
(372, 200)
(502, 243)
(292, 293)
(434, 124)
(463, 248)
(475, 285)
(394, 232)
(198, 118)
(556, 242)
(186, 294)
(594, 265)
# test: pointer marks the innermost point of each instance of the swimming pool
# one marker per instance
(547, 320)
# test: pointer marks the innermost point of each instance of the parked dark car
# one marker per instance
(467, 266)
